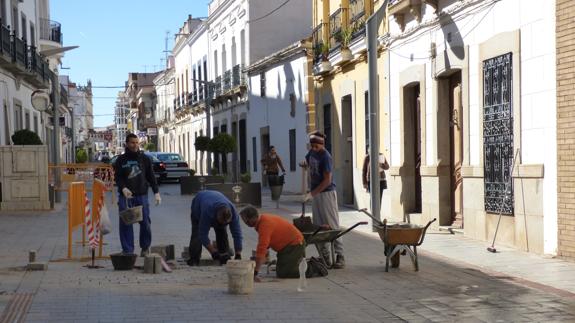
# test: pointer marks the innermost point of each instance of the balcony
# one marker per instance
(357, 17)
(50, 34)
(238, 76)
(218, 86)
(399, 8)
(334, 28)
(23, 60)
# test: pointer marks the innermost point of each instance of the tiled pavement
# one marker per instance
(458, 280)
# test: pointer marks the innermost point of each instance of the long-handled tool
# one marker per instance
(376, 220)
(505, 198)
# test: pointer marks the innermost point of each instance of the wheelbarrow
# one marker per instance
(400, 238)
(327, 236)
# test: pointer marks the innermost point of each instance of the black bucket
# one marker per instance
(122, 261)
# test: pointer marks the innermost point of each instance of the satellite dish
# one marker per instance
(40, 100)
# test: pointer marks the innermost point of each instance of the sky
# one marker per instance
(117, 37)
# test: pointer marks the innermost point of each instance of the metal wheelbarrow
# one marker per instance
(400, 239)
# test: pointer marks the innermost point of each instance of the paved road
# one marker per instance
(448, 287)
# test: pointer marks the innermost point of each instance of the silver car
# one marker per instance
(176, 166)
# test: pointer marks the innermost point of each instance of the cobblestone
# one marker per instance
(455, 283)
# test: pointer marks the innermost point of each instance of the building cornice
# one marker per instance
(279, 56)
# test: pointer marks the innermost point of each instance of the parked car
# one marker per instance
(176, 166)
(158, 166)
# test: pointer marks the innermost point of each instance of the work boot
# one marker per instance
(339, 263)
(144, 252)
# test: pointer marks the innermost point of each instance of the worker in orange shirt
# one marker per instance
(280, 235)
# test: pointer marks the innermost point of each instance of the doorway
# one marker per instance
(412, 156)
(347, 136)
(456, 149)
(265, 147)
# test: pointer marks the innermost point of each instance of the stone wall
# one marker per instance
(24, 178)
(565, 38)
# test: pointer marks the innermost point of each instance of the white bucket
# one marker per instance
(240, 276)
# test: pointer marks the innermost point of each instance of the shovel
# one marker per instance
(376, 220)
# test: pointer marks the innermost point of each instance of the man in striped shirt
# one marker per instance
(280, 235)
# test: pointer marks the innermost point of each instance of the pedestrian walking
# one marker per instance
(366, 173)
(280, 235)
(323, 194)
(134, 175)
(272, 164)
(211, 209)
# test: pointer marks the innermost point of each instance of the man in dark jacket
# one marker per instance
(134, 173)
(211, 209)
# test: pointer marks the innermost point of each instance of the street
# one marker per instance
(457, 282)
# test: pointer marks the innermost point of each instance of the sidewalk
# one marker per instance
(537, 270)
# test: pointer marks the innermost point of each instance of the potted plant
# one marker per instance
(26, 137)
(81, 156)
(150, 146)
(201, 144)
(344, 37)
(246, 178)
(325, 65)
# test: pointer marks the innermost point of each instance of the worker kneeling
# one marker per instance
(211, 209)
(280, 235)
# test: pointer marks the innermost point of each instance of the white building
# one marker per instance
(240, 33)
(277, 113)
(472, 84)
(165, 112)
(190, 57)
(35, 32)
(121, 122)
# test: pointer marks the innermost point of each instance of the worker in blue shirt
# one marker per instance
(211, 209)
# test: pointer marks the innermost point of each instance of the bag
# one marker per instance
(132, 214)
(105, 223)
(315, 268)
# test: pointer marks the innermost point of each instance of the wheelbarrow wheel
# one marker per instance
(395, 261)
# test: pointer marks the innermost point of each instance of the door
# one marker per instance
(265, 147)
(347, 137)
(456, 145)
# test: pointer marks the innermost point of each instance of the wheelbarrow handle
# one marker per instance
(377, 221)
(349, 229)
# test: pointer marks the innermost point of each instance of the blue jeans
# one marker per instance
(127, 231)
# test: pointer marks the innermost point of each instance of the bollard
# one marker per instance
(31, 256)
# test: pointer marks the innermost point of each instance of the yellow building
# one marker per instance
(341, 90)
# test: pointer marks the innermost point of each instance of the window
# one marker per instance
(23, 27)
(17, 117)
(15, 20)
(498, 134)
(292, 150)
(254, 154)
(234, 50)
(32, 35)
(36, 124)
(243, 47)
(216, 64)
(263, 84)
(27, 120)
(242, 147)
(292, 101)
(3, 13)
(224, 65)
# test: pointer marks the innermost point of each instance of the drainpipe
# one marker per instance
(372, 25)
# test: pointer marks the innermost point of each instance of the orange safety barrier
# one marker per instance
(62, 175)
(76, 200)
(98, 200)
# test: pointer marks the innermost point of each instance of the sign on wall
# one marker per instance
(152, 131)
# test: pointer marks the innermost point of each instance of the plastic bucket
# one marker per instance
(240, 276)
(276, 192)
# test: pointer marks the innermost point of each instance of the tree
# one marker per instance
(81, 156)
(222, 143)
(150, 146)
(202, 144)
(26, 137)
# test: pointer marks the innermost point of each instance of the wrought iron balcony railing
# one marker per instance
(50, 30)
(218, 86)
(238, 76)
(227, 81)
(334, 28)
